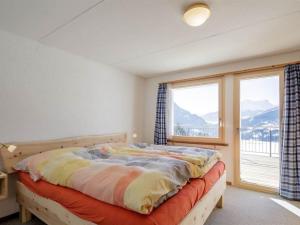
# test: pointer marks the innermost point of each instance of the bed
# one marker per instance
(205, 194)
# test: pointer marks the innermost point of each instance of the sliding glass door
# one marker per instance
(258, 115)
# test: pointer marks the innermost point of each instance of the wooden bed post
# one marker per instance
(25, 215)
(220, 203)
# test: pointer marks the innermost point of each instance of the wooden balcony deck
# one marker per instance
(259, 169)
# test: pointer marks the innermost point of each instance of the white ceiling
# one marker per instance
(148, 37)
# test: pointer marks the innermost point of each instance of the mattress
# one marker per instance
(170, 212)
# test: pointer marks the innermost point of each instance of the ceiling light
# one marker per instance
(196, 14)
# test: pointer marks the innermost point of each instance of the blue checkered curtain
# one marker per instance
(290, 144)
(160, 132)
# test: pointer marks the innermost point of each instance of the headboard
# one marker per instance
(30, 148)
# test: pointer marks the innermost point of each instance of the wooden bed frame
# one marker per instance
(52, 213)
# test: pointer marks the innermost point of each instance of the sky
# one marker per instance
(207, 96)
(261, 89)
(256, 89)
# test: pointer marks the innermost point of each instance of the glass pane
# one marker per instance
(259, 133)
(196, 111)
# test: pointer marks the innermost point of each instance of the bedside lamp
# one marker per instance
(10, 148)
(134, 138)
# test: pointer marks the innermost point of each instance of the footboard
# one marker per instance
(45, 209)
(214, 198)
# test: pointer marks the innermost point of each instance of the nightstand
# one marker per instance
(3, 185)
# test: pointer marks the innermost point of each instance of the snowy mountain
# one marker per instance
(211, 117)
(268, 118)
(254, 114)
(250, 105)
(187, 119)
(250, 108)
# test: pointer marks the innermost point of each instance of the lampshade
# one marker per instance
(11, 148)
(196, 14)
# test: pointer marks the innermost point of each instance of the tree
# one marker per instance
(179, 130)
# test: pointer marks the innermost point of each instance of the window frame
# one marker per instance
(199, 139)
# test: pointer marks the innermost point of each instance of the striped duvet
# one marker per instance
(135, 178)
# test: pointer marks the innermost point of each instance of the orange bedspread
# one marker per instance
(169, 213)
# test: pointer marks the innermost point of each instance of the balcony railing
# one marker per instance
(258, 140)
(182, 130)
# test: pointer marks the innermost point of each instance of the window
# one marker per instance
(196, 113)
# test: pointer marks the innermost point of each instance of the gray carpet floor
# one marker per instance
(242, 207)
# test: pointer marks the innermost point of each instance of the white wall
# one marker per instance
(47, 93)
(151, 92)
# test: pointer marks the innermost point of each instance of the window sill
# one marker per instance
(197, 142)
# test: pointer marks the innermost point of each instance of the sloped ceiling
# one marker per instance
(148, 37)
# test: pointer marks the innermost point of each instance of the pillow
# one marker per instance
(27, 164)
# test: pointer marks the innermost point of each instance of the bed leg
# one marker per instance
(25, 215)
(220, 203)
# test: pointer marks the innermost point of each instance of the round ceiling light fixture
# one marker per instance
(196, 14)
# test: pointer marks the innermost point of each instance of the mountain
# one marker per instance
(259, 113)
(269, 117)
(250, 113)
(262, 114)
(251, 107)
(185, 118)
(211, 117)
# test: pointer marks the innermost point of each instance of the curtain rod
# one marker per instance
(236, 72)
